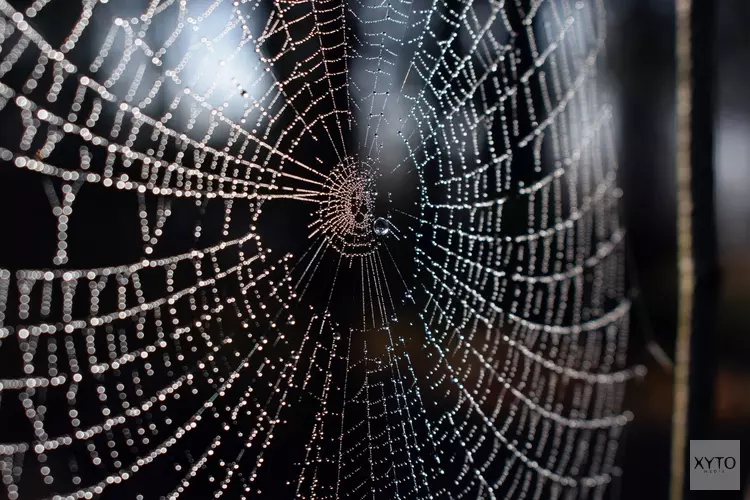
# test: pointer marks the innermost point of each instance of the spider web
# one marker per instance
(312, 249)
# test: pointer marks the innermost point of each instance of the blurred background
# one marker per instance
(642, 54)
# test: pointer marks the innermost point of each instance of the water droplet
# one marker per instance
(381, 226)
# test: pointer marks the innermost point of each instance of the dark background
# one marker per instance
(642, 54)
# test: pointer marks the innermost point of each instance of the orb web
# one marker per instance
(309, 249)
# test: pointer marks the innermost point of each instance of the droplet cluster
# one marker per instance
(347, 209)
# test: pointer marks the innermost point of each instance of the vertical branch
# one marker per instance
(697, 253)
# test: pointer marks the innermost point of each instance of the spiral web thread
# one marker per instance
(191, 363)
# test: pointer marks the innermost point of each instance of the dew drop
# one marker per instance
(381, 226)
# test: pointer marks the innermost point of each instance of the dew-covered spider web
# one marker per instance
(309, 249)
